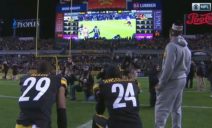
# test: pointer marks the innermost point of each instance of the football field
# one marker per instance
(197, 108)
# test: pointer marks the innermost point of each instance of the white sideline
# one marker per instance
(198, 107)
(8, 97)
(85, 102)
(86, 125)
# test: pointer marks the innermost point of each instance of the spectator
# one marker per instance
(153, 81)
(14, 71)
(5, 69)
(210, 75)
(191, 75)
(69, 72)
(86, 82)
(201, 86)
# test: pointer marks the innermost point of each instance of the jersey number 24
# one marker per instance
(123, 95)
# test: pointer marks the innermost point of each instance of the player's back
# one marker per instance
(121, 100)
(38, 94)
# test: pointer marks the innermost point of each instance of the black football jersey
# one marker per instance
(38, 94)
(121, 99)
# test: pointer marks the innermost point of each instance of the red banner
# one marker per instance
(106, 4)
(199, 19)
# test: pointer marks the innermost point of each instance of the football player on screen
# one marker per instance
(120, 96)
(129, 23)
(38, 94)
(85, 33)
(80, 29)
(96, 32)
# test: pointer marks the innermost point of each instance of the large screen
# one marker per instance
(140, 21)
(137, 24)
(104, 25)
(108, 25)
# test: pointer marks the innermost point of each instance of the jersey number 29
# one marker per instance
(39, 86)
(125, 95)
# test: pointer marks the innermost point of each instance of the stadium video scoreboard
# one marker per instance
(140, 22)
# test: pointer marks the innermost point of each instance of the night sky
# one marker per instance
(25, 9)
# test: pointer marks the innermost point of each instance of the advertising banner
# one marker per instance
(198, 23)
(75, 8)
(26, 23)
(24, 27)
(143, 5)
(158, 20)
(199, 19)
(106, 4)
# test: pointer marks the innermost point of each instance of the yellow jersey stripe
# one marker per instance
(102, 116)
(99, 126)
(21, 126)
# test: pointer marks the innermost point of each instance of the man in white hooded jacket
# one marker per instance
(175, 68)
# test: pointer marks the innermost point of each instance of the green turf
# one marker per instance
(80, 112)
(111, 28)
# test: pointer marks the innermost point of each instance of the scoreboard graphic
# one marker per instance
(144, 24)
(70, 26)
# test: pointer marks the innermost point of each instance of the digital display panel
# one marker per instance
(83, 24)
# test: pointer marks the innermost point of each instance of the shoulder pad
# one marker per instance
(96, 87)
(63, 82)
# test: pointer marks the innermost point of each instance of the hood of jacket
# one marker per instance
(179, 40)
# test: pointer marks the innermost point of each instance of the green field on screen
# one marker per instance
(110, 28)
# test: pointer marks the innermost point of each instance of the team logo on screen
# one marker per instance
(141, 17)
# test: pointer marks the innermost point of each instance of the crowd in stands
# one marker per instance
(95, 61)
(159, 43)
(122, 44)
(202, 43)
(106, 16)
(17, 44)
